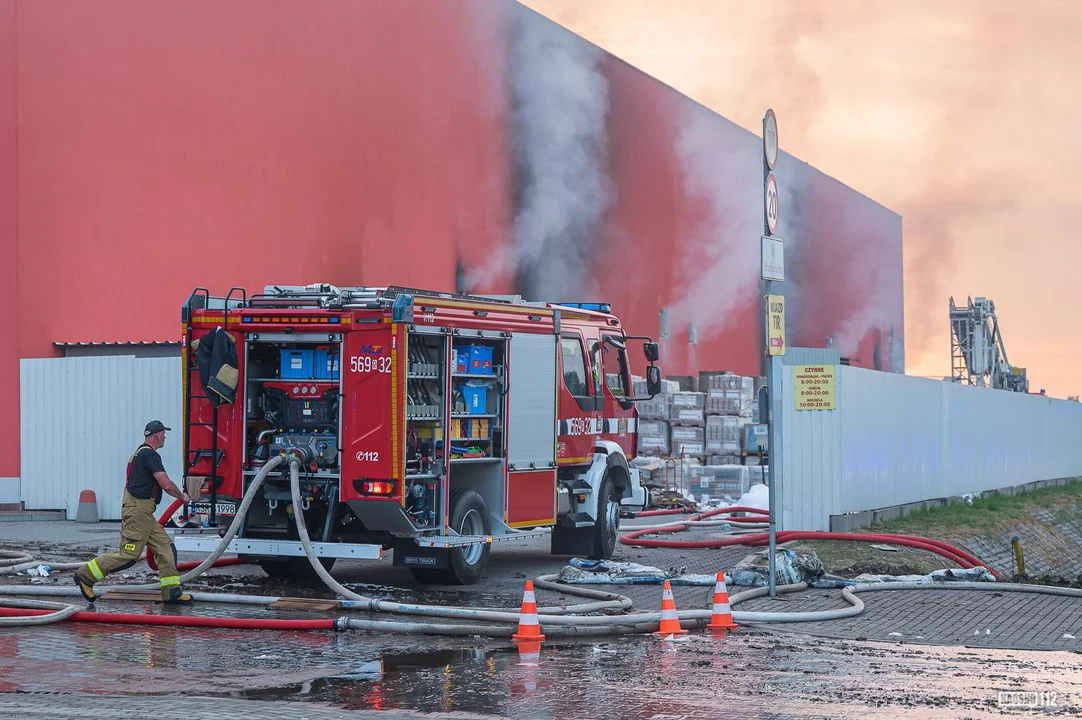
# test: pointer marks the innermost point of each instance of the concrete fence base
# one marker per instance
(854, 521)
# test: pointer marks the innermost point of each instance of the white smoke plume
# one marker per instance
(876, 299)
(560, 101)
(796, 213)
(853, 295)
(719, 269)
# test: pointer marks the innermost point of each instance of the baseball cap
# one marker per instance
(154, 426)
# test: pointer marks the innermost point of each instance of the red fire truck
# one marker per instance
(430, 424)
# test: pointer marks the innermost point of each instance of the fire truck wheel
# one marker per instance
(608, 521)
(469, 516)
(293, 568)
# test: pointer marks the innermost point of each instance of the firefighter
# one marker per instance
(138, 527)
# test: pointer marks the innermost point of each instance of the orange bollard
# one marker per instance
(670, 624)
(721, 620)
(88, 507)
(529, 629)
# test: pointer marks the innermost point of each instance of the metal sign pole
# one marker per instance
(773, 270)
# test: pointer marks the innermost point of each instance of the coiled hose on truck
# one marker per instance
(552, 624)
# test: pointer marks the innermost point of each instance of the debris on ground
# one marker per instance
(671, 500)
(789, 568)
(977, 574)
(604, 572)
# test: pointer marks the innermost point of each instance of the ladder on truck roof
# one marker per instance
(324, 295)
(201, 298)
(327, 296)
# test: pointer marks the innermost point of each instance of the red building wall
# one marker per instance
(9, 245)
(178, 144)
(683, 235)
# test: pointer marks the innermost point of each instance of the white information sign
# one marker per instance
(773, 259)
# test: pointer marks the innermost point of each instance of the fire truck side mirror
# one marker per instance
(653, 380)
(650, 349)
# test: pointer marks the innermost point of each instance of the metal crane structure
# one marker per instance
(978, 356)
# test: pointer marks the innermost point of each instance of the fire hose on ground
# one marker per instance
(607, 600)
(636, 539)
(12, 562)
(557, 622)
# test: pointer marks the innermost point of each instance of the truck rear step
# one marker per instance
(244, 546)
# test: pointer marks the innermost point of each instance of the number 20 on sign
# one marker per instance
(775, 324)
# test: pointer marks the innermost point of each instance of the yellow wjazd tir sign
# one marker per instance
(775, 324)
(813, 387)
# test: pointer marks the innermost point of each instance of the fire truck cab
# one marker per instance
(429, 424)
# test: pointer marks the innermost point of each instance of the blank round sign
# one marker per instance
(770, 139)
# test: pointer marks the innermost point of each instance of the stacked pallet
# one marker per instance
(688, 419)
(733, 434)
(730, 395)
(717, 426)
(655, 438)
(720, 481)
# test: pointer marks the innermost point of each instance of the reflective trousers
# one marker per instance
(138, 528)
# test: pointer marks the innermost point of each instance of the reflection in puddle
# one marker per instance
(749, 674)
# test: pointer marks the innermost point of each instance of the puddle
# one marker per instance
(749, 674)
(597, 680)
(747, 677)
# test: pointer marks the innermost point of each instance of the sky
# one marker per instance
(959, 116)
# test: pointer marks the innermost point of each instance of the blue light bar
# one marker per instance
(596, 307)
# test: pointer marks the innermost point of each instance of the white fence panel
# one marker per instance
(996, 439)
(909, 439)
(811, 463)
(896, 439)
(81, 419)
(893, 432)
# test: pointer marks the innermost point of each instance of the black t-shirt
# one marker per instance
(141, 468)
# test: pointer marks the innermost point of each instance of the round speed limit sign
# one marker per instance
(771, 203)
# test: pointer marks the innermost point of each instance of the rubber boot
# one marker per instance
(176, 596)
(86, 588)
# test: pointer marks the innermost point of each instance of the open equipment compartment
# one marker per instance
(456, 445)
(426, 420)
(477, 394)
(292, 395)
(454, 422)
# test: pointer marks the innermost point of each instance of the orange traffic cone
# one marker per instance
(721, 620)
(529, 629)
(670, 624)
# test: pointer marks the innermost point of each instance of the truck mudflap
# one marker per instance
(383, 516)
(639, 496)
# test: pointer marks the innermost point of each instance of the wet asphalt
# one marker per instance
(755, 672)
(747, 674)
